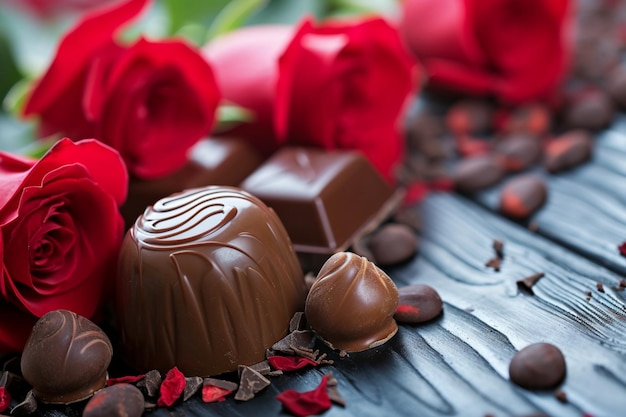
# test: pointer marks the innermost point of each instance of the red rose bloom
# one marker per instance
(338, 85)
(151, 101)
(516, 50)
(60, 233)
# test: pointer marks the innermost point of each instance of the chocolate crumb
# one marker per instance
(622, 283)
(561, 396)
(498, 247)
(343, 353)
(494, 263)
(192, 385)
(151, 383)
(220, 383)
(26, 407)
(262, 367)
(600, 287)
(530, 281)
(251, 382)
(297, 322)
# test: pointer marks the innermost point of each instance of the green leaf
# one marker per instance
(233, 16)
(389, 8)
(16, 97)
(288, 11)
(230, 115)
(184, 12)
(38, 148)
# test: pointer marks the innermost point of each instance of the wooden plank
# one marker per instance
(585, 211)
(457, 365)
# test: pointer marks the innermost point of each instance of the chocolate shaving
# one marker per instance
(530, 281)
(498, 247)
(333, 392)
(26, 407)
(251, 382)
(494, 263)
(561, 396)
(221, 383)
(600, 287)
(192, 385)
(297, 322)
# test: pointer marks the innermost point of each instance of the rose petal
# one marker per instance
(290, 363)
(171, 388)
(308, 403)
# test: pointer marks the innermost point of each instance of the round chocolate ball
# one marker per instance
(65, 358)
(208, 280)
(351, 303)
(537, 366)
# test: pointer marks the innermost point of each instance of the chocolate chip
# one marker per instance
(537, 366)
(151, 383)
(498, 247)
(518, 151)
(494, 263)
(391, 244)
(522, 196)
(417, 303)
(477, 173)
(192, 385)
(297, 322)
(568, 151)
(250, 383)
(121, 400)
(561, 396)
(529, 281)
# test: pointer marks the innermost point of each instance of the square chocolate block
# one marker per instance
(213, 161)
(324, 198)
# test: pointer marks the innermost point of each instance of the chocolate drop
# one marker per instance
(120, 400)
(207, 281)
(537, 366)
(477, 173)
(66, 358)
(568, 151)
(351, 303)
(418, 303)
(522, 196)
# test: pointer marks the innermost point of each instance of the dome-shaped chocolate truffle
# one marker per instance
(351, 303)
(208, 280)
(66, 358)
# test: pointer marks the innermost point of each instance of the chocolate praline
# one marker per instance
(351, 303)
(66, 358)
(208, 280)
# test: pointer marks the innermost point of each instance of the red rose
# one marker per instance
(338, 85)
(516, 50)
(151, 101)
(60, 233)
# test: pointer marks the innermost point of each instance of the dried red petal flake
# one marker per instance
(290, 363)
(125, 379)
(211, 393)
(415, 192)
(5, 399)
(622, 249)
(171, 388)
(307, 403)
(407, 309)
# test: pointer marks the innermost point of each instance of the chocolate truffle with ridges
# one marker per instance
(351, 303)
(538, 366)
(208, 280)
(65, 358)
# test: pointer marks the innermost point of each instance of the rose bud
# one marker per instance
(61, 217)
(515, 50)
(151, 101)
(334, 85)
